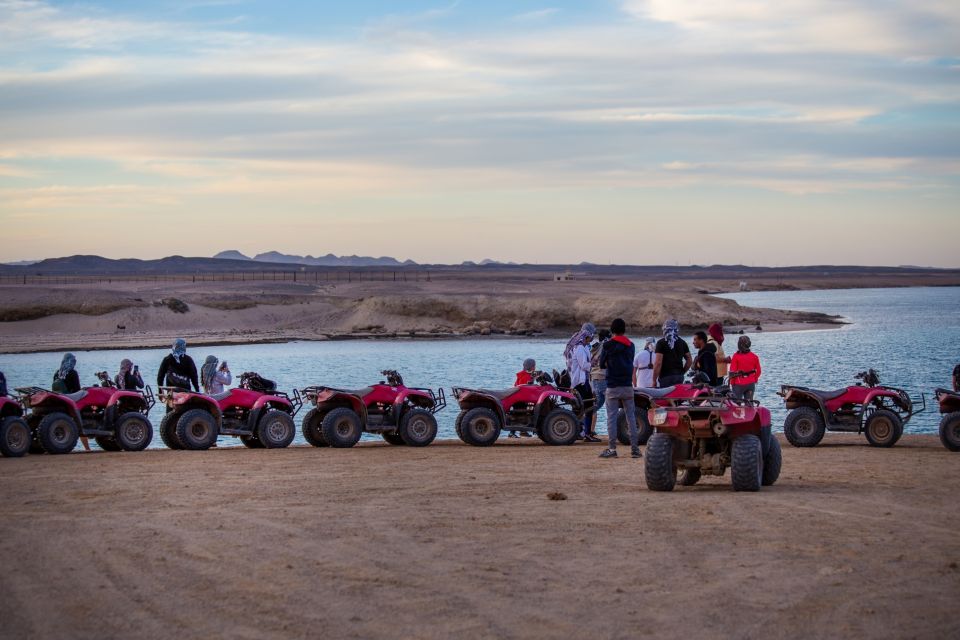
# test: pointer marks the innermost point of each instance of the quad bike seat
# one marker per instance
(654, 392)
(359, 392)
(826, 395)
(77, 396)
(499, 394)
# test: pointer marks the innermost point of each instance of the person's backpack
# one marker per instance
(255, 382)
(58, 386)
(3, 385)
(177, 381)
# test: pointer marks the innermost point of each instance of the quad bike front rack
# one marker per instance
(439, 398)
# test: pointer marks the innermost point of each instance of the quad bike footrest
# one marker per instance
(236, 432)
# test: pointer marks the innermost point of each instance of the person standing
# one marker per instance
(577, 357)
(178, 369)
(715, 331)
(956, 378)
(128, 377)
(643, 364)
(744, 370)
(673, 358)
(67, 380)
(214, 378)
(598, 383)
(706, 360)
(617, 358)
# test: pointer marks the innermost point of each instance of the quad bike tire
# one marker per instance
(950, 431)
(341, 428)
(57, 433)
(644, 430)
(418, 428)
(197, 430)
(276, 430)
(107, 443)
(168, 430)
(392, 437)
(883, 428)
(658, 469)
(480, 427)
(746, 463)
(560, 427)
(689, 477)
(772, 462)
(251, 442)
(132, 431)
(804, 427)
(312, 428)
(457, 422)
(15, 437)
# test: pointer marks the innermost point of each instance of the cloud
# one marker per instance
(539, 14)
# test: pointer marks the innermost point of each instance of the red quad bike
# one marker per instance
(15, 433)
(877, 411)
(401, 415)
(116, 419)
(648, 398)
(706, 435)
(950, 422)
(554, 415)
(255, 411)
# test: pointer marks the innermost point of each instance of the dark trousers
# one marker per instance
(669, 381)
(586, 393)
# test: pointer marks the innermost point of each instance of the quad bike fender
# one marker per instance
(329, 399)
(44, 402)
(9, 407)
(746, 416)
(185, 401)
(642, 401)
(413, 396)
(949, 401)
(795, 398)
(898, 398)
(663, 420)
(470, 399)
(564, 397)
(264, 404)
(130, 400)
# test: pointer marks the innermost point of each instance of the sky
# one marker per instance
(615, 131)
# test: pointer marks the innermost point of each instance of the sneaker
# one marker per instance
(609, 453)
(635, 452)
(513, 434)
(592, 438)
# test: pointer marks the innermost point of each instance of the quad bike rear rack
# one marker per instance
(25, 393)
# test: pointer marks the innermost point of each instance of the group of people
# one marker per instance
(604, 368)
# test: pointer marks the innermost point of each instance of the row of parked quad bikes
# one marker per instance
(690, 429)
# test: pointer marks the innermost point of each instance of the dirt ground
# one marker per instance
(455, 541)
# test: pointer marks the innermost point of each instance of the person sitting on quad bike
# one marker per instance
(67, 380)
(178, 370)
(744, 370)
(525, 376)
(706, 360)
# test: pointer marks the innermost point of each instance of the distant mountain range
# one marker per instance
(329, 260)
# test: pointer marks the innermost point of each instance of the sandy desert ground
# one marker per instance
(454, 541)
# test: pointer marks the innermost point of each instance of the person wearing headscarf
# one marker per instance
(577, 356)
(213, 378)
(598, 384)
(524, 376)
(744, 370)
(178, 369)
(643, 364)
(128, 377)
(715, 337)
(672, 359)
(67, 380)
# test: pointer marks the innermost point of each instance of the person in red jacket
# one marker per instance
(524, 377)
(744, 370)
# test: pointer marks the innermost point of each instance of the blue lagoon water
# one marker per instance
(912, 336)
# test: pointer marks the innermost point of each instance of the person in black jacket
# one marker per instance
(616, 357)
(128, 377)
(706, 360)
(178, 369)
(67, 380)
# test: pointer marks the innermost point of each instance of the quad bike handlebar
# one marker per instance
(394, 379)
(870, 377)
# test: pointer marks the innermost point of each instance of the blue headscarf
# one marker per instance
(671, 332)
(208, 370)
(179, 349)
(66, 366)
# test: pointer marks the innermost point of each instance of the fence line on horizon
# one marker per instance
(407, 275)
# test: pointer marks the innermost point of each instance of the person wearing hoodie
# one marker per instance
(715, 333)
(616, 357)
(706, 360)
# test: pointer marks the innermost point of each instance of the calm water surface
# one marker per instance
(912, 336)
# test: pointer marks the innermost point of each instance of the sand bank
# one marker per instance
(455, 541)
